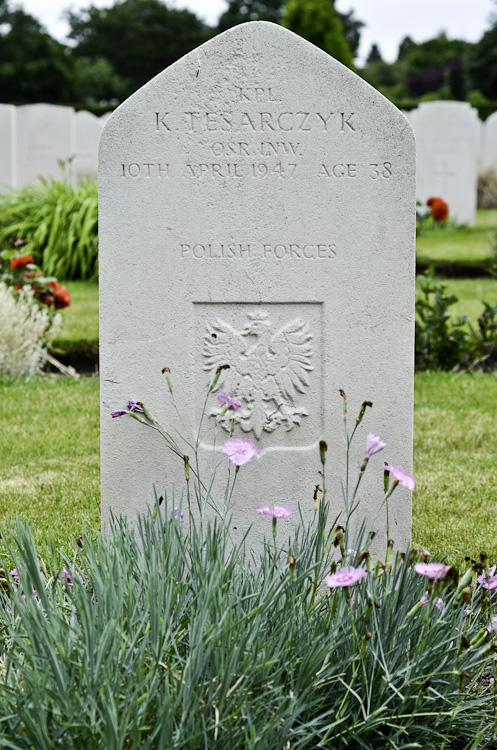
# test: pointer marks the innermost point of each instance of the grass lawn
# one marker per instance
(49, 448)
(470, 245)
(50, 460)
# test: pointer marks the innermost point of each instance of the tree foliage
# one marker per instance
(139, 38)
(482, 63)
(374, 55)
(319, 23)
(33, 66)
(240, 11)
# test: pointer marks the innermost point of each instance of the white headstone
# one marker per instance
(46, 135)
(88, 132)
(490, 142)
(257, 209)
(448, 145)
(8, 176)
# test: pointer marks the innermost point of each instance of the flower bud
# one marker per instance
(362, 411)
(464, 676)
(464, 643)
(323, 447)
(167, 372)
(218, 375)
(386, 479)
(315, 497)
(293, 567)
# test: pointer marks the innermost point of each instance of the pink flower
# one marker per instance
(232, 403)
(491, 584)
(280, 511)
(345, 577)
(437, 571)
(35, 595)
(405, 479)
(133, 406)
(425, 599)
(239, 451)
(492, 627)
(176, 515)
(373, 445)
(66, 578)
(14, 573)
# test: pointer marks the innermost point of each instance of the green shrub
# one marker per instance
(170, 641)
(173, 636)
(444, 342)
(61, 224)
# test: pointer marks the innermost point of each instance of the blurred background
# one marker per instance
(93, 56)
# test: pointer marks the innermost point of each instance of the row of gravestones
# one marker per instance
(452, 146)
(36, 138)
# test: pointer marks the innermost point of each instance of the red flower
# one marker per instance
(21, 261)
(431, 200)
(54, 285)
(62, 297)
(439, 209)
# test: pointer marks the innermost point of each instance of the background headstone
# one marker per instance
(448, 136)
(8, 176)
(46, 134)
(88, 132)
(257, 207)
(490, 142)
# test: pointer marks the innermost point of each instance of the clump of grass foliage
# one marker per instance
(173, 635)
(487, 189)
(60, 222)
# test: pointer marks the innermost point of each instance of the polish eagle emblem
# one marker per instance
(268, 368)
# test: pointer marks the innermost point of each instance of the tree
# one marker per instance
(482, 63)
(434, 53)
(33, 66)
(139, 38)
(240, 11)
(374, 55)
(96, 79)
(319, 23)
(352, 30)
(437, 65)
(406, 45)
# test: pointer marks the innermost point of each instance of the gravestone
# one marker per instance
(88, 132)
(257, 208)
(46, 136)
(8, 177)
(490, 143)
(448, 144)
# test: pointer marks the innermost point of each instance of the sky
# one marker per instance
(387, 21)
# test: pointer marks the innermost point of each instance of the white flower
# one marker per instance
(25, 330)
